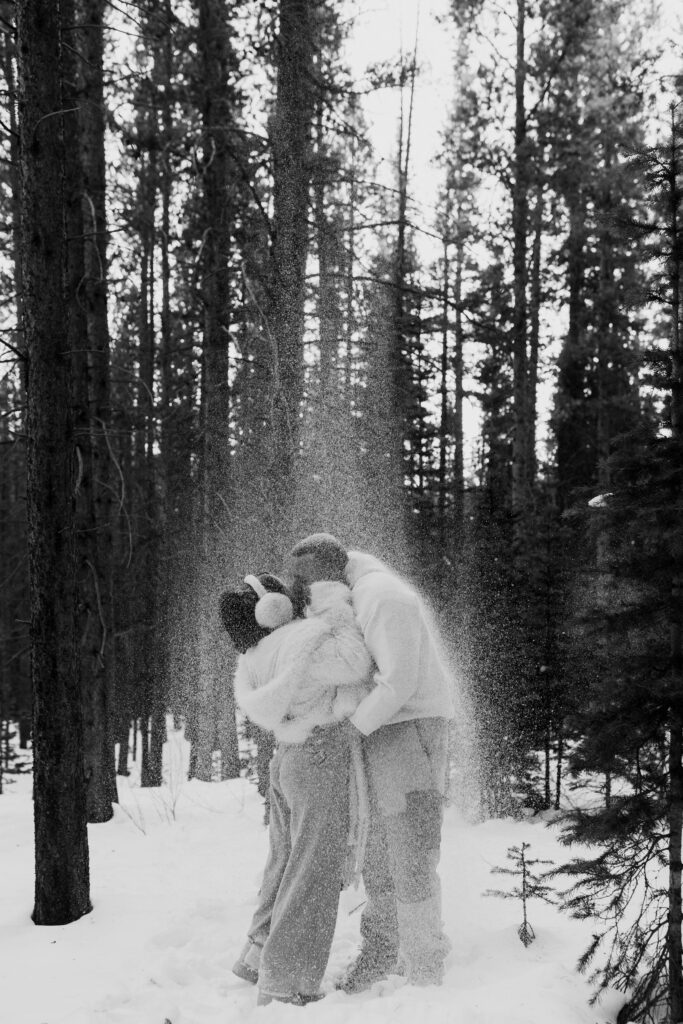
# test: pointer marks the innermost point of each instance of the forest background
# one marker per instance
(228, 321)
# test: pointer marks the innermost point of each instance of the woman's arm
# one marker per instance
(343, 656)
(268, 705)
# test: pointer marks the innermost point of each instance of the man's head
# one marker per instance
(318, 557)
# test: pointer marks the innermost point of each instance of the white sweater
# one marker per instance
(313, 671)
(411, 678)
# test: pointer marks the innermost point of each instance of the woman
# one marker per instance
(300, 677)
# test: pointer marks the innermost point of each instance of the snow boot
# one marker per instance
(424, 946)
(366, 969)
(247, 965)
(296, 999)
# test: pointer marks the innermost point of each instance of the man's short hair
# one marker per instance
(329, 552)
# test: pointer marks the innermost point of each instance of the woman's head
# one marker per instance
(244, 624)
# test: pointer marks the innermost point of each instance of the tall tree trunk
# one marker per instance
(126, 614)
(560, 759)
(16, 602)
(443, 401)
(329, 311)
(215, 723)
(349, 382)
(534, 327)
(604, 315)
(675, 917)
(147, 664)
(573, 461)
(217, 116)
(418, 449)
(674, 936)
(6, 540)
(398, 361)
(151, 659)
(95, 541)
(170, 483)
(459, 392)
(399, 270)
(290, 141)
(47, 130)
(520, 470)
(91, 629)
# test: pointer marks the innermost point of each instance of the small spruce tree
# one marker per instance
(531, 886)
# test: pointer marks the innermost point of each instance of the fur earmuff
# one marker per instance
(272, 609)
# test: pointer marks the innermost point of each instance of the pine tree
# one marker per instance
(90, 347)
(290, 135)
(632, 725)
(47, 130)
(531, 886)
(217, 72)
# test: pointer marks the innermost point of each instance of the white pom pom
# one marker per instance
(273, 611)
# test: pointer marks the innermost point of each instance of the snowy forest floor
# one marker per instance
(174, 879)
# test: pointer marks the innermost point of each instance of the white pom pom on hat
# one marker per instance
(272, 609)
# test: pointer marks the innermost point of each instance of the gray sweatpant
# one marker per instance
(299, 896)
(407, 765)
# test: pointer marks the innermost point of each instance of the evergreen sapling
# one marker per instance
(531, 886)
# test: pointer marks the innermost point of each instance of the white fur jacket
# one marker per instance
(313, 671)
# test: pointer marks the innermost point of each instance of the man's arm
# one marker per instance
(392, 637)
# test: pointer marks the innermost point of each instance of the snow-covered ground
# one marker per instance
(174, 878)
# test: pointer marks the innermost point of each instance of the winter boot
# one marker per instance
(368, 967)
(424, 946)
(247, 965)
(296, 999)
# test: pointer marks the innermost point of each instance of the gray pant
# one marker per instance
(299, 896)
(407, 765)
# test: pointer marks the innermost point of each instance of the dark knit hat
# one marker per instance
(239, 613)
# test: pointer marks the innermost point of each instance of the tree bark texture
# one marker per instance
(398, 361)
(675, 916)
(290, 141)
(675, 922)
(47, 129)
(443, 401)
(520, 202)
(535, 300)
(574, 455)
(218, 185)
(350, 383)
(216, 725)
(99, 681)
(16, 657)
(146, 657)
(329, 267)
(459, 393)
(90, 379)
(558, 773)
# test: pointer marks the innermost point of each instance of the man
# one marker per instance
(404, 722)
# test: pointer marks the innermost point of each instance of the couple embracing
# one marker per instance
(343, 667)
